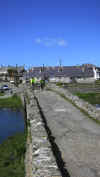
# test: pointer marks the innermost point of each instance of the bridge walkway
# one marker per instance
(77, 136)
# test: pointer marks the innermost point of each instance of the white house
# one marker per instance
(96, 71)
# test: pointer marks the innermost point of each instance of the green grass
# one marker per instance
(93, 98)
(59, 84)
(97, 82)
(13, 102)
(12, 153)
(2, 94)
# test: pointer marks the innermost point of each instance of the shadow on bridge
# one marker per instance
(55, 148)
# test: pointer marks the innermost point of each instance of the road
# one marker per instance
(77, 136)
(14, 89)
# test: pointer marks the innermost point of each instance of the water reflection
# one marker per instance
(11, 122)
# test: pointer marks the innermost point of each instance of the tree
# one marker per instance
(13, 74)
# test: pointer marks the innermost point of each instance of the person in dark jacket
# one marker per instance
(42, 83)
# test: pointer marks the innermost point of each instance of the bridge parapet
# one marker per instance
(43, 161)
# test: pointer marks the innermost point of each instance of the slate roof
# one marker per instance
(65, 71)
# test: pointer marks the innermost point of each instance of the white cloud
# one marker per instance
(62, 43)
(38, 40)
(50, 42)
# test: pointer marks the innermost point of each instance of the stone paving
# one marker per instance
(77, 136)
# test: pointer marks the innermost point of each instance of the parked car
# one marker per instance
(5, 87)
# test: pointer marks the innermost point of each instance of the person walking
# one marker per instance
(42, 84)
(33, 83)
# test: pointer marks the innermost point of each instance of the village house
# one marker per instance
(86, 73)
(96, 71)
(5, 75)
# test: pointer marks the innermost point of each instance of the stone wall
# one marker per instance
(43, 160)
(90, 109)
(86, 80)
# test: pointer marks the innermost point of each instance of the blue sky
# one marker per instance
(37, 32)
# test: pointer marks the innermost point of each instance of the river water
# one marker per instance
(11, 122)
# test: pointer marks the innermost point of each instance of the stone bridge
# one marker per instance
(63, 141)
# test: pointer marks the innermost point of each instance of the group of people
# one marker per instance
(34, 82)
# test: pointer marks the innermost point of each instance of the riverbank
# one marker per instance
(12, 150)
(1, 94)
(12, 153)
(13, 102)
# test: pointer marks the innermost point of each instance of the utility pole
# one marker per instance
(60, 65)
(43, 67)
(16, 75)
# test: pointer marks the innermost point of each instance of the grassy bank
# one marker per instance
(92, 98)
(12, 153)
(2, 94)
(13, 102)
